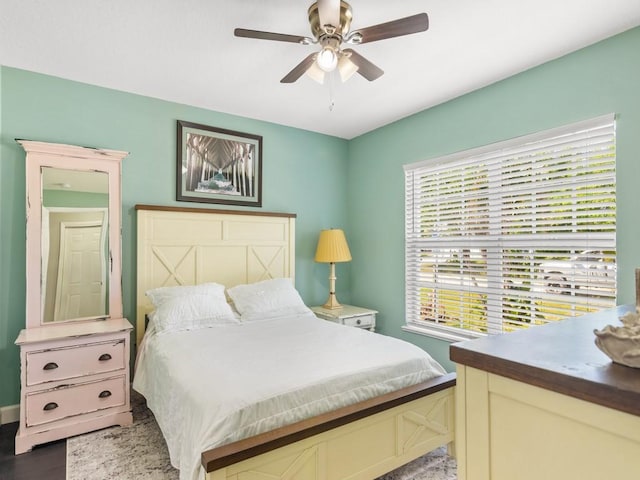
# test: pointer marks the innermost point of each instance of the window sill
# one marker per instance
(441, 333)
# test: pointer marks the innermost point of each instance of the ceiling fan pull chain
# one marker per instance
(331, 80)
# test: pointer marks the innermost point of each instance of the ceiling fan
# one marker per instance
(330, 21)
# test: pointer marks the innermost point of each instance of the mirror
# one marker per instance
(75, 246)
(73, 233)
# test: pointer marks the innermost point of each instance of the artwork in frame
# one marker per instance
(216, 165)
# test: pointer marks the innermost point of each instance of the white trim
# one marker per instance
(513, 142)
(527, 207)
(441, 332)
(9, 414)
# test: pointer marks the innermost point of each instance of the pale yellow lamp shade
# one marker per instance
(332, 247)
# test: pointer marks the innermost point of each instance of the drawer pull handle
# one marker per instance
(104, 357)
(105, 394)
(358, 321)
(50, 366)
(50, 406)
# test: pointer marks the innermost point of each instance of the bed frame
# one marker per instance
(186, 246)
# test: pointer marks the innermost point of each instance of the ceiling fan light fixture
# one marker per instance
(327, 59)
(330, 22)
(314, 72)
(346, 68)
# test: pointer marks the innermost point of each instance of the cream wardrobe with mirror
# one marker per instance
(74, 351)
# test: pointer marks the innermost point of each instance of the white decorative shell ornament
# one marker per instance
(621, 344)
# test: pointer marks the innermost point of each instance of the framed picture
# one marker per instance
(215, 165)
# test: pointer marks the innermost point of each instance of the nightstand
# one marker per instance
(348, 315)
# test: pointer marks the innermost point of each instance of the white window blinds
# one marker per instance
(514, 234)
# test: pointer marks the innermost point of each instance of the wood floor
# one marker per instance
(45, 461)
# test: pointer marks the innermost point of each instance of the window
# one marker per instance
(514, 234)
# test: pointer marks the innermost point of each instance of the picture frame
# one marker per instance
(216, 165)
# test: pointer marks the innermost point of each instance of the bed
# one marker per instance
(378, 426)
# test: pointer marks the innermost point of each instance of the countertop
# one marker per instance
(560, 356)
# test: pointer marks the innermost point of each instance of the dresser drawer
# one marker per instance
(363, 321)
(51, 405)
(71, 362)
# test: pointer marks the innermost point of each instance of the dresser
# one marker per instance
(546, 403)
(348, 315)
(74, 379)
(75, 347)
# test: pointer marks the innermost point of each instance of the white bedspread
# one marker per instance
(217, 385)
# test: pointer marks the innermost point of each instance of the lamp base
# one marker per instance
(332, 302)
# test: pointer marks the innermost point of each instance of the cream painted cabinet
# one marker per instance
(510, 430)
(74, 351)
(546, 404)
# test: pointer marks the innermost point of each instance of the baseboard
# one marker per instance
(9, 414)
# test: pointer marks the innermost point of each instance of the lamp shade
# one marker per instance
(332, 247)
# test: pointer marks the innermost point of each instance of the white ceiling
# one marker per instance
(185, 51)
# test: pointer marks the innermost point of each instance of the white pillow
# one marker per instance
(162, 294)
(192, 312)
(267, 299)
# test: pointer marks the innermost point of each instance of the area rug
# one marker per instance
(139, 452)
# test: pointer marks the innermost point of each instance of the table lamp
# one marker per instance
(332, 248)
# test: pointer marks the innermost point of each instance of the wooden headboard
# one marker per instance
(188, 246)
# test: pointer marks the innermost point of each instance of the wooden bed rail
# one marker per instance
(235, 452)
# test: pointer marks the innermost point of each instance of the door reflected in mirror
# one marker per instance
(75, 245)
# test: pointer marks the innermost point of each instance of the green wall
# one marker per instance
(599, 79)
(366, 175)
(298, 168)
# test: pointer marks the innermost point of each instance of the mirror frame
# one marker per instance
(42, 154)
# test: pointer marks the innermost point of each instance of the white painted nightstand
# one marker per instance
(348, 315)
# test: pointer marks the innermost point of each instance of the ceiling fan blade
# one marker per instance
(395, 28)
(329, 12)
(280, 37)
(365, 68)
(299, 69)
